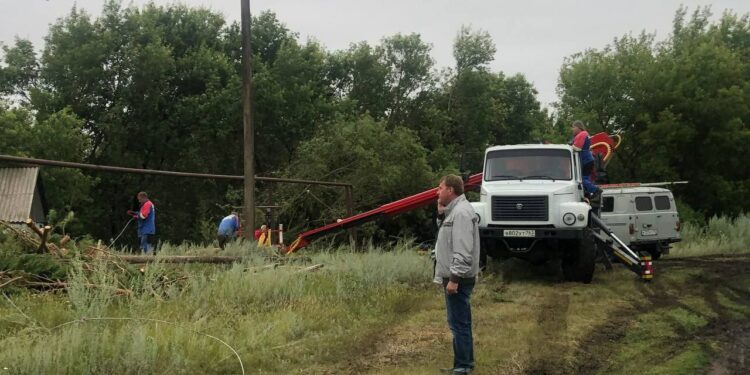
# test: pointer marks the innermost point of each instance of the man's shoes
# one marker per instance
(456, 371)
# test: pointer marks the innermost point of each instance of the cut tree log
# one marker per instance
(43, 239)
(40, 244)
(31, 224)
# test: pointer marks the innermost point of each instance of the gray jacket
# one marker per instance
(457, 247)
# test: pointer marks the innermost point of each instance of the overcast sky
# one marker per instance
(532, 36)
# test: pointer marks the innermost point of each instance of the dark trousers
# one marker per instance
(458, 307)
(146, 246)
(223, 239)
(586, 171)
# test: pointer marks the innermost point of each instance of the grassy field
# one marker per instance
(376, 312)
(721, 235)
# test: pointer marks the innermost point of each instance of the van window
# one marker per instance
(643, 204)
(661, 202)
(608, 204)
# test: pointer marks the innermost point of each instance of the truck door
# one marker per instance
(645, 219)
(666, 216)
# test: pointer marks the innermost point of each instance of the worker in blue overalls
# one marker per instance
(582, 144)
(146, 217)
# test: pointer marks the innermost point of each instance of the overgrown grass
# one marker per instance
(279, 320)
(374, 311)
(722, 235)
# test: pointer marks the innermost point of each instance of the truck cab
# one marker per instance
(531, 207)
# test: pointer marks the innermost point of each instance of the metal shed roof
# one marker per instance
(17, 192)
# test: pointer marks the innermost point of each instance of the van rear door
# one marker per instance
(666, 215)
(645, 219)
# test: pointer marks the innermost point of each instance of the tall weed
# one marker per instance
(721, 235)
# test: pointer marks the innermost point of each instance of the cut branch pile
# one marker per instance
(37, 239)
(44, 265)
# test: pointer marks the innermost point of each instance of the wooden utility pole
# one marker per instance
(249, 139)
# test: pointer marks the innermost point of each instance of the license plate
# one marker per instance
(649, 232)
(519, 233)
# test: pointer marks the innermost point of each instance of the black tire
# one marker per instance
(655, 252)
(578, 263)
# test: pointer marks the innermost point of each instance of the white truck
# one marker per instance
(532, 207)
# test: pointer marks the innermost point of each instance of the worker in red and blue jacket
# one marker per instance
(146, 217)
(582, 144)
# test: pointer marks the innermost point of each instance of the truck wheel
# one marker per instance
(578, 263)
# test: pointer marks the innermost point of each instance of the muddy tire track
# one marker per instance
(720, 275)
(552, 325)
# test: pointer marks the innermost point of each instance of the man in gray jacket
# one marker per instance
(457, 265)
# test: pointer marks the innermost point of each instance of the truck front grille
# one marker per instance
(523, 208)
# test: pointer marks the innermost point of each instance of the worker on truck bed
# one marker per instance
(582, 144)
(146, 217)
(457, 266)
(228, 228)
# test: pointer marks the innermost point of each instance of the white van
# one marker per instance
(645, 218)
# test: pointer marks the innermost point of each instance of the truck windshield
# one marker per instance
(528, 164)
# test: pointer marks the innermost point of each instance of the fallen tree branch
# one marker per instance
(39, 244)
(64, 285)
(217, 259)
(311, 268)
(10, 281)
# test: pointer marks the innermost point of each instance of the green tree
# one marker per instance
(359, 78)
(20, 69)
(473, 50)
(486, 108)
(59, 137)
(383, 165)
(682, 105)
(408, 61)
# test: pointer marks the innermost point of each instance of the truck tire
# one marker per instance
(578, 263)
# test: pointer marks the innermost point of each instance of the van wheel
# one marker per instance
(655, 252)
(579, 260)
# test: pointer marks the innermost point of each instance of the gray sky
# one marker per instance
(532, 36)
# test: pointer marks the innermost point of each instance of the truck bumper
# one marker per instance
(539, 233)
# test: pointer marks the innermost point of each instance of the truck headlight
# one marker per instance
(569, 219)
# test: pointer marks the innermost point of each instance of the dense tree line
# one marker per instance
(682, 104)
(159, 87)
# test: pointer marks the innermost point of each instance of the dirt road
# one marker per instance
(693, 318)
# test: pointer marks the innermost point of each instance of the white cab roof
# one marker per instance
(531, 146)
